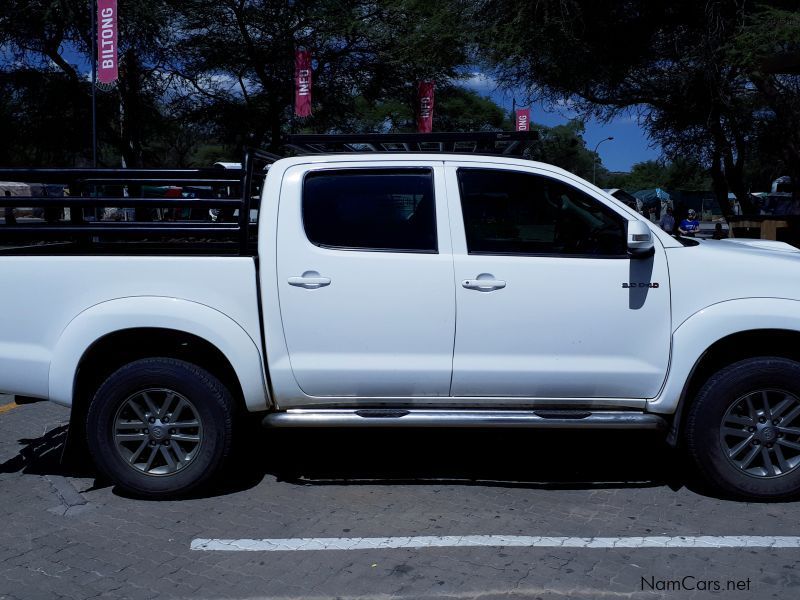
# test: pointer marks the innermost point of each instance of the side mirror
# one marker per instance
(640, 240)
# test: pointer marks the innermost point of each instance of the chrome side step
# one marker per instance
(412, 417)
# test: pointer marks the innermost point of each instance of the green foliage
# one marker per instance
(564, 146)
(237, 57)
(456, 109)
(767, 48)
(697, 71)
(34, 133)
(768, 39)
(220, 72)
(687, 175)
(717, 83)
(680, 175)
(37, 36)
(201, 78)
(642, 176)
(459, 109)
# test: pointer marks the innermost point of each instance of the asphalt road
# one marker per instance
(65, 534)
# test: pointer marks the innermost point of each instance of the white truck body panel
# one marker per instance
(384, 326)
(58, 306)
(558, 329)
(721, 288)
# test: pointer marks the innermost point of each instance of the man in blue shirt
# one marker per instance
(690, 225)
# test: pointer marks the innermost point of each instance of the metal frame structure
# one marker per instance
(87, 190)
(510, 143)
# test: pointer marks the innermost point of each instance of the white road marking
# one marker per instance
(470, 541)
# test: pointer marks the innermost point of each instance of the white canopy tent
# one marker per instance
(16, 188)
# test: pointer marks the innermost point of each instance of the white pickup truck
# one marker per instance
(414, 290)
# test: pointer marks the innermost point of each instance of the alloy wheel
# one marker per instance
(760, 433)
(157, 431)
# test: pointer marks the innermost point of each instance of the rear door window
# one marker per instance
(390, 210)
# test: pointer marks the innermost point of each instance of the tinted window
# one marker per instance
(509, 212)
(371, 209)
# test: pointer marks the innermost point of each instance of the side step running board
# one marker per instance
(541, 419)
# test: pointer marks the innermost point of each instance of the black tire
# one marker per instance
(704, 439)
(212, 407)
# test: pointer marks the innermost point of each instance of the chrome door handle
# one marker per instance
(483, 285)
(310, 283)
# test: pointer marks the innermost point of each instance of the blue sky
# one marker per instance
(630, 144)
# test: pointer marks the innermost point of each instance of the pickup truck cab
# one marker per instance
(413, 290)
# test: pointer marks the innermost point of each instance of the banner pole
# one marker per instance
(94, 83)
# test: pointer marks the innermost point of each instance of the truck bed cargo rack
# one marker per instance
(508, 143)
(157, 210)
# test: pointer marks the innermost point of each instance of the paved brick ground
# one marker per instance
(66, 535)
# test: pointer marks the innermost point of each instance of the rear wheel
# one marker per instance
(743, 429)
(160, 426)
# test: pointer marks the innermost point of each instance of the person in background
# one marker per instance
(690, 224)
(718, 233)
(9, 212)
(667, 222)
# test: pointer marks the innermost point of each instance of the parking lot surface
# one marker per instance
(385, 514)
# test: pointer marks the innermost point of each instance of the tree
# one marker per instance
(47, 39)
(642, 176)
(195, 73)
(237, 57)
(564, 146)
(39, 127)
(768, 49)
(456, 109)
(671, 61)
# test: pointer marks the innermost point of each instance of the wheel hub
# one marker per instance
(157, 431)
(768, 434)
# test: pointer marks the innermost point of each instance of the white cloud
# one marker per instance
(480, 82)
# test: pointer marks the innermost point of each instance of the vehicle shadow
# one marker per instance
(524, 458)
(44, 455)
(492, 457)
(481, 457)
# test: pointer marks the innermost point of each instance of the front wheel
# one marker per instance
(743, 429)
(160, 426)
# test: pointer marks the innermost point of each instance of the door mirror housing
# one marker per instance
(640, 240)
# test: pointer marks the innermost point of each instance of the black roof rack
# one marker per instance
(509, 143)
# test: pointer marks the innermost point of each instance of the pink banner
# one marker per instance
(425, 114)
(107, 62)
(523, 119)
(302, 83)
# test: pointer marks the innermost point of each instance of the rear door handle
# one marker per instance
(483, 285)
(310, 282)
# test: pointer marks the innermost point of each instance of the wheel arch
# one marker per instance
(112, 333)
(721, 334)
(733, 348)
(728, 330)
